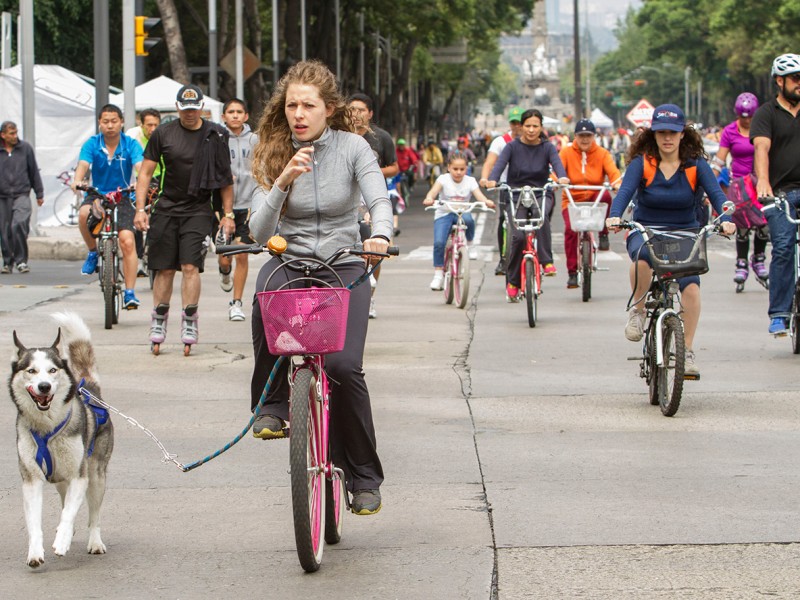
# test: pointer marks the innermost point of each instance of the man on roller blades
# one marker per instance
(195, 160)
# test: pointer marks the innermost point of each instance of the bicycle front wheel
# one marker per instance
(462, 277)
(108, 282)
(449, 270)
(531, 289)
(307, 457)
(651, 366)
(670, 374)
(586, 268)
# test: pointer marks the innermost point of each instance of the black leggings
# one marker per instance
(760, 239)
(353, 444)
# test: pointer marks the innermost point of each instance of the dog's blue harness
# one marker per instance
(43, 457)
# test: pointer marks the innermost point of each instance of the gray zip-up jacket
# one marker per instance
(322, 205)
(19, 172)
(244, 186)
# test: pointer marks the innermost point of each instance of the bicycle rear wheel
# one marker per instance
(531, 289)
(449, 257)
(108, 278)
(586, 268)
(335, 506)
(307, 459)
(670, 375)
(795, 325)
(462, 277)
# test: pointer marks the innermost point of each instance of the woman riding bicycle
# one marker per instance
(735, 140)
(586, 163)
(317, 170)
(530, 159)
(666, 166)
(453, 186)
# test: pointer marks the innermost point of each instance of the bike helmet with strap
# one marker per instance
(746, 104)
(785, 64)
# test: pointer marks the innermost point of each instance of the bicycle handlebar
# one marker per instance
(230, 250)
(567, 188)
(779, 202)
(95, 192)
(459, 207)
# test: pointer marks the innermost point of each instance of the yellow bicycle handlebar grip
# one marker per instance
(276, 244)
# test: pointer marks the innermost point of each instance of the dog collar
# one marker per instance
(43, 457)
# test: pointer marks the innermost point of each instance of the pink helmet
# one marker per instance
(746, 104)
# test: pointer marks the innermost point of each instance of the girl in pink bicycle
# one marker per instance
(317, 170)
(453, 186)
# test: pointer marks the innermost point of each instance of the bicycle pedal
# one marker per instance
(635, 358)
(691, 377)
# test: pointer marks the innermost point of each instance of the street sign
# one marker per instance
(641, 114)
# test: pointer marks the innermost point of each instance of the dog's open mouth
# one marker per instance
(42, 400)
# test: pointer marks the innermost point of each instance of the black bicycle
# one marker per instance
(102, 224)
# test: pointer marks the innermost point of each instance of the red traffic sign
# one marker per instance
(641, 114)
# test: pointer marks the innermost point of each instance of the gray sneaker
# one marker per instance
(226, 281)
(634, 329)
(269, 427)
(366, 502)
(235, 312)
(690, 369)
(23, 268)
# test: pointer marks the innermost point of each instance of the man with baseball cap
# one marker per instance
(495, 148)
(196, 161)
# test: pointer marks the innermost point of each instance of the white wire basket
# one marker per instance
(586, 216)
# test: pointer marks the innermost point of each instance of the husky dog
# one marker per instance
(62, 438)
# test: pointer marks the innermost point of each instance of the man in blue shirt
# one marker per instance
(111, 155)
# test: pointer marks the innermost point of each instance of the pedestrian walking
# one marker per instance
(19, 174)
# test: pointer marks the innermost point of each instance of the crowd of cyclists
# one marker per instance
(235, 184)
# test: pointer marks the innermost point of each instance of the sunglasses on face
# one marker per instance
(795, 77)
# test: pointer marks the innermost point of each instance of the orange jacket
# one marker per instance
(589, 168)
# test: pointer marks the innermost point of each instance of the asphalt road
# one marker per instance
(520, 463)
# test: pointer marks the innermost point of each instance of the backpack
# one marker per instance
(650, 166)
(742, 192)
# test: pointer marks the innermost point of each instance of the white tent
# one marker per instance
(601, 120)
(64, 120)
(160, 93)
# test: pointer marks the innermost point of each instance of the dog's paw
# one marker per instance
(36, 559)
(62, 543)
(96, 545)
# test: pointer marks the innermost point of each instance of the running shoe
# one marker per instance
(512, 293)
(373, 314)
(473, 253)
(437, 283)
(550, 270)
(6, 270)
(269, 427)
(23, 268)
(225, 280)
(690, 366)
(90, 264)
(366, 502)
(235, 312)
(778, 327)
(634, 329)
(604, 243)
(130, 301)
(572, 280)
(500, 269)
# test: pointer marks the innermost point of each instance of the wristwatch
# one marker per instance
(230, 216)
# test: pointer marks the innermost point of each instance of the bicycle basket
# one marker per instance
(305, 321)
(678, 254)
(585, 216)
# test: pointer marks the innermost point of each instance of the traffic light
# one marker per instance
(143, 40)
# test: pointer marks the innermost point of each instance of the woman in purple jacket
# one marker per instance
(530, 159)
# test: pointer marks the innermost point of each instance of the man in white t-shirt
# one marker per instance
(495, 148)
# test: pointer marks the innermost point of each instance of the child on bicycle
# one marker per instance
(453, 186)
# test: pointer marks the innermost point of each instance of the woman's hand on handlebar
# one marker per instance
(428, 201)
(728, 227)
(563, 180)
(375, 244)
(614, 224)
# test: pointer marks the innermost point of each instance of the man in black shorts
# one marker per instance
(382, 145)
(194, 159)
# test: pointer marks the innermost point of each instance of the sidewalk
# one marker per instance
(57, 243)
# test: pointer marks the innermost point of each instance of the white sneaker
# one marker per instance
(226, 281)
(473, 253)
(634, 329)
(437, 283)
(690, 365)
(373, 314)
(373, 283)
(235, 312)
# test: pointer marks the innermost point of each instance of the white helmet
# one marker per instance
(785, 64)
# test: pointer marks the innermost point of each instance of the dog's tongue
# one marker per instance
(41, 400)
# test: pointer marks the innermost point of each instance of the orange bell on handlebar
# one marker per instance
(276, 244)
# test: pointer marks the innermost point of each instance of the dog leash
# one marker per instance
(169, 457)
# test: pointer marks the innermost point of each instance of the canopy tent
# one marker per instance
(160, 93)
(601, 120)
(64, 120)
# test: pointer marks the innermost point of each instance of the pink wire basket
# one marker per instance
(305, 320)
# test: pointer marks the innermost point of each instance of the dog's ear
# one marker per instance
(18, 344)
(57, 341)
